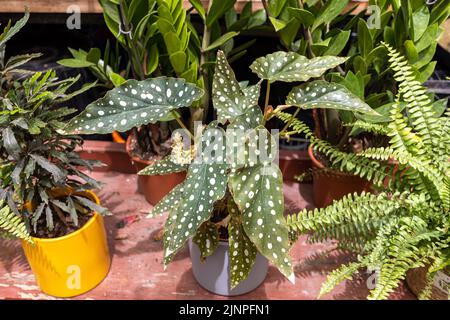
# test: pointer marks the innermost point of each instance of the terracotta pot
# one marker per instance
(332, 184)
(293, 162)
(416, 281)
(154, 188)
(113, 154)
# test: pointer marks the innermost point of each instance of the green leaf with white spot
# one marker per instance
(229, 99)
(326, 95)
(164, 166)
(258, 192)
(206, 183)
(135, 103)
(242, 252)
(292, 67)
(169, 202)
(207, 239)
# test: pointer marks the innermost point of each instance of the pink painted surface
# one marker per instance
(137, 270)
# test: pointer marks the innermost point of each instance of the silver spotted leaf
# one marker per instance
(326, 95)
(164, 166)
(291, 67)
(242, 252)
(229, 99)
(206, 183)
(171, 200)
(249, 120)
(207, 239)
(258, 191)
(250, 147)
(135, 103)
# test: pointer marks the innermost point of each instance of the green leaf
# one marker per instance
(207, 239)
(222, 40)
(164, 166)
(57, 173)
(75, 63)
(258, 192)
(93, 55)
(9, 32)
(10, 142)
(92, 205)
(242, 251)
(276, 6)
(328, 12)
(420, 19)
(178, 61)
(365, 41)
(218, 10)
(439, 107)
(135, 103)
(292, 67)
(204, 185)
(326, 95)
(199, 7)
(337, 43)
(278, 24)
(303, 16)
(228, 98)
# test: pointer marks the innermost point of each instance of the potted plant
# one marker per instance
(325, 28)
(231, 203)
(160, 39)
(402, 231)
(45, 196)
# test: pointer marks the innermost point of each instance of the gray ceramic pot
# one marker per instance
(213, 273)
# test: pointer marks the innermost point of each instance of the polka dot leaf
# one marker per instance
(135, 103)
(207, 239)
(229, 99)
(326, 95)
(171, 200)
(164, 166)
(206, 183)
(292, 67)
(258, 192)
(242, 252)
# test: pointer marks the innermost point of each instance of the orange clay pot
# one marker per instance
(332, 184)
(154, 188)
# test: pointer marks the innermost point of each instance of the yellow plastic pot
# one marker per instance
(73, 264)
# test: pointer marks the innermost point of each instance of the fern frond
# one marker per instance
(418, 103)
(335, 277)
(351, 209)
(374, 128)
(12, 224)
(365, 168)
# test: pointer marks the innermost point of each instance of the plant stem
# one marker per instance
(290, 121)
(182, 125)
(206, 41)
(266, 103)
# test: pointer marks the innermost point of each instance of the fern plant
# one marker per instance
(233, 189)
(405, 224)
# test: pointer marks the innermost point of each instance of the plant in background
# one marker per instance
(406, 224)
(315, 28)
(36, 159)
(241, 195)
(160, 39)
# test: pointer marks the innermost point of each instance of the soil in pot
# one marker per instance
(213, 273)
(72, 264)
(154, 188)
(330, 185)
